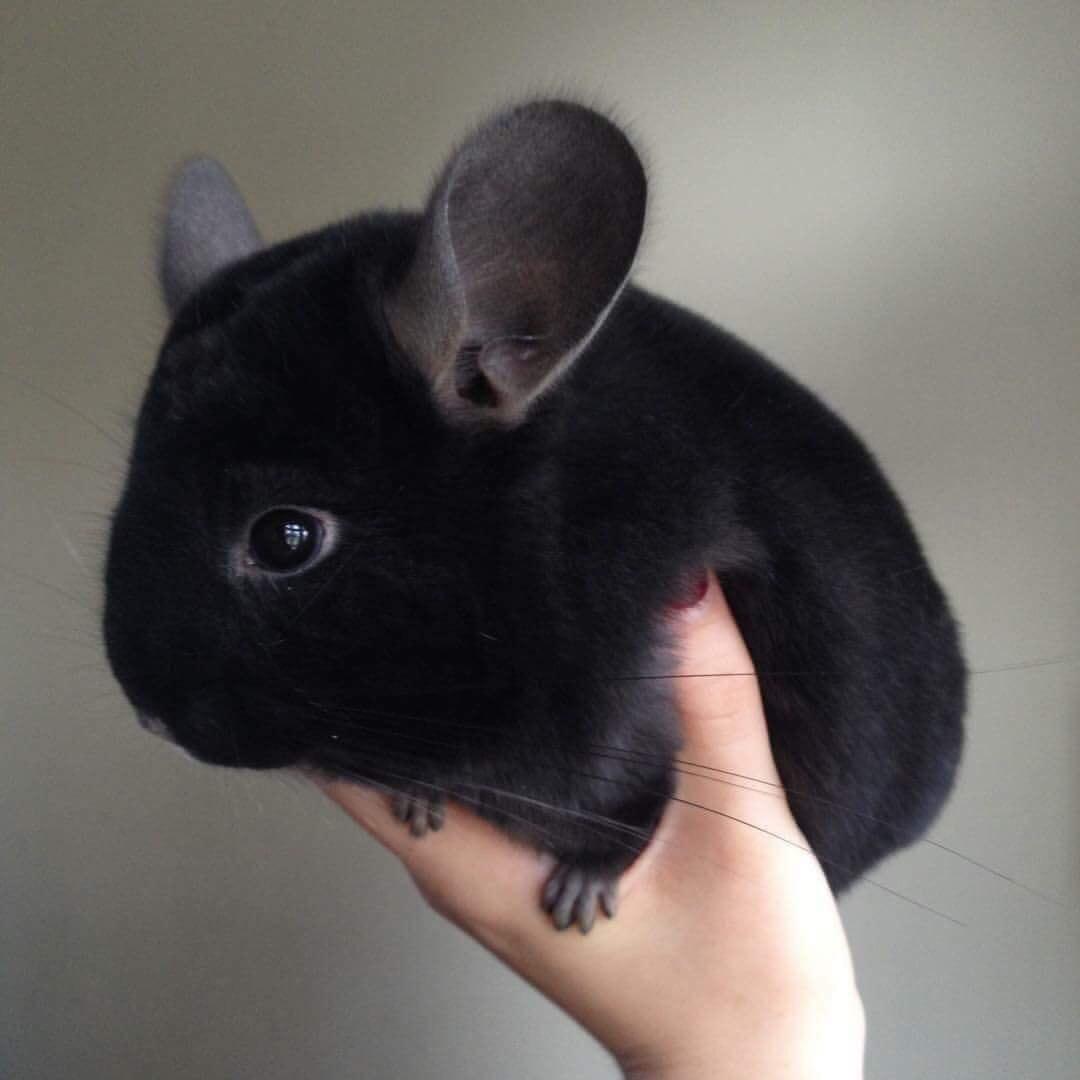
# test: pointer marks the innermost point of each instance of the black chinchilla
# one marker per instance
(410, 495)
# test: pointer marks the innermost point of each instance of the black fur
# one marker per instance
(499, 587)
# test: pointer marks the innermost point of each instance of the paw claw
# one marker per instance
(552, 888)
(586, 907)
(573, 896)
(609, 898)
(420, 813)
(565, 910)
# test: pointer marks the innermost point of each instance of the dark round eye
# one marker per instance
(285, 539)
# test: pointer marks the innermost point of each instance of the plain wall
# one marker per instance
(884, 197)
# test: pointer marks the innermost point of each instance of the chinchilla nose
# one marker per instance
(154, 724)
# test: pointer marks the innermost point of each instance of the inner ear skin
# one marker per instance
(470, 383)
(503, 371)
(207, 227)
(528, 238)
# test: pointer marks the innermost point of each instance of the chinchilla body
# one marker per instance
(411, 496)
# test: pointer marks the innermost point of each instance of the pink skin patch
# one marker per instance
(692, 592)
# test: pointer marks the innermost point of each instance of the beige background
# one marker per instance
(883, 196)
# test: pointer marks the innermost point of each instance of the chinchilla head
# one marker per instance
(324, 530)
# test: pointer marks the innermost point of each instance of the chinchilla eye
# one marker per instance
(286, 539)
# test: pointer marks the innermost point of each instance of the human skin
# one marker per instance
(727, 957)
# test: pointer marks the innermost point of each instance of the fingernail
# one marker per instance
(692, 591)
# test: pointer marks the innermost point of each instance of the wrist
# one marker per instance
(821, 1040)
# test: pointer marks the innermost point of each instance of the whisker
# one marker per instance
(778, 836)
(709, 675)
(1038, 893)
(1068, 658)
(612, 824)
(420, 689)
(88, 642)
(681, 766)
(802, 847)
(776, 791)
(66, 540)
(779, 791)
(110, 473)
(343, 561)
(713, 810)
(49, 396)
(458, 796)
(455, 794)
(81, 601)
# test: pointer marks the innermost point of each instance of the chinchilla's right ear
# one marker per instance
(527, 240)
(207, 226)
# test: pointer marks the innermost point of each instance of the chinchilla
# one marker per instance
(411, 496)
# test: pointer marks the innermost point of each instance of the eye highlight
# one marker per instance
(286, 539)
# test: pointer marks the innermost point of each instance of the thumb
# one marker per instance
(717, 694)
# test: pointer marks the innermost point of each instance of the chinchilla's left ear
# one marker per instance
(207, 226)
(526, 242)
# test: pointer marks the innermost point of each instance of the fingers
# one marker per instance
(729, 814)
(717, 694)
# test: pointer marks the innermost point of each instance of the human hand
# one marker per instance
(727, 957)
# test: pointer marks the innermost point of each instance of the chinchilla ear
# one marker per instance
(207, 226)
(528, 237)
